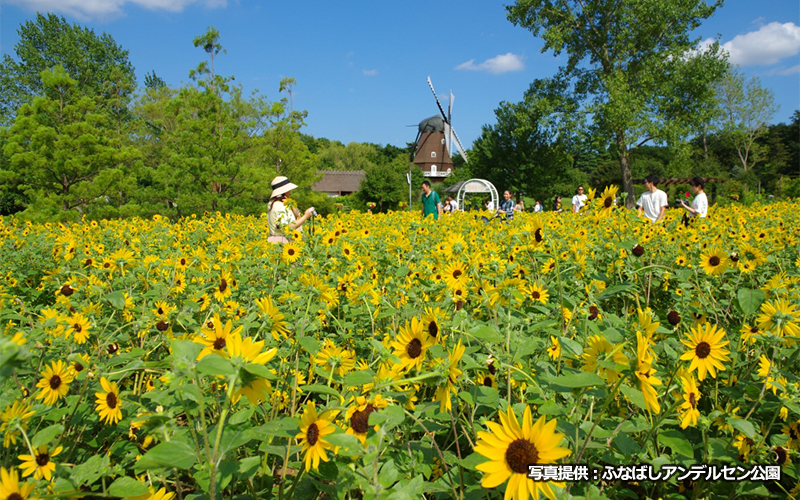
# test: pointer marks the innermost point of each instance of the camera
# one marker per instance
(314, 211)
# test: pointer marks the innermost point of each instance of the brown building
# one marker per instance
(432, 156)
(339, 182)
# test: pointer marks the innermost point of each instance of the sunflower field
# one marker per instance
(387, 356)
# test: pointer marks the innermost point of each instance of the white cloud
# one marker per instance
(370, 72)
(794, 70)
(766, 46)
(503, 63)
(109, 9)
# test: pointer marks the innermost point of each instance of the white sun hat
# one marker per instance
(281, 185)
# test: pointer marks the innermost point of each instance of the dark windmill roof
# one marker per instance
(334, 181)
(432, 124)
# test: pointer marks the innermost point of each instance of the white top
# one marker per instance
(453, 205)
(652, 203)
(537, 207)
(280, 216)
(577, 201)
(700, 203)
(490, 206)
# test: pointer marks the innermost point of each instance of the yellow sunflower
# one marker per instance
(605, 202)
(691, 395)
(254, 388)
(161, 494)
(780, 316)
(412, 344)
(554, 351)
(214, 336)
(224, 287)
(600, 349)
(511, 448)
(10, 489)
(80, 327)
(538, 293)
(455, 275)
(40, 465)
(268, 308)
(109, 405)
(358, 415)
(714, 261)
(444, 391)
(54, 383)
(706, 350)
(313, 429)
(16, 414)
(291, 252)
(432, 321)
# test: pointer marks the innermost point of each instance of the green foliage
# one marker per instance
(62, 153)
(90, 60)
(627, 71)
(386, 185)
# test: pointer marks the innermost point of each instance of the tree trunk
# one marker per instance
(625, 168)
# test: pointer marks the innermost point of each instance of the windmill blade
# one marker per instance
(441, 109)
(447, 140)
(415, 147)
(459, 146)
(450, 108)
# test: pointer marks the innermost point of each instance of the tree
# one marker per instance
(520, 154)
(63, 154)
(90, 60)
(631, 68)
(745, 109)
(386, 185)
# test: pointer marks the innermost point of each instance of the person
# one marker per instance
(578, 200)
(450, 205)
(653, 202)
(520, 206)
(431, 205)
(489, 204)
(557, 204)
(538, 207)
(506, 205)
(280, 216)
(699, 206)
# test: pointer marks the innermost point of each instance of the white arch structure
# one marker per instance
(477, 186)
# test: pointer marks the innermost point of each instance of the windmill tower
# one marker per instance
(435, 136)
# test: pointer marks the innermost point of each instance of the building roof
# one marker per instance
(674, 180)
(336, 181)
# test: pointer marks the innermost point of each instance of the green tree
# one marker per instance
(62, 153)
(354, 156)
(90, 60)
(386, 185)
(745, 110)
(630, 67)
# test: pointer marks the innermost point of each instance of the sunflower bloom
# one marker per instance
(267, 308)
(313, 429)
(215, 336)
(55, 382)
(714, 262)
(691, 395)
(706, 350)
(40, 465)
(412, 344)
(109, 405)
(780, 316)
(16, 414)
(598, 350)
(511, 448)
(443, 392)
(10, 489)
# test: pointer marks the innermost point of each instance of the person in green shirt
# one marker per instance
(431, 205)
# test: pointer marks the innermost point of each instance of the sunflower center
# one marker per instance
(183, 262)
(291, 252)
(414, 348)
(456, 273)
(536, 295)
(537, 235)
(111, 400)
(42, 459)
(780, 455)
(160, 311)
(702, 350)
(162, 326)
(66, 290)
(520, 454)
(359, 422)
(312, 434)
(15, 496)
(77, 367)
(608, 202)
(223, 285)
(433, 329)
(77, 327)
(714, 260)
(487, 381)
(219, 343)
(55, 382)
(692, 401)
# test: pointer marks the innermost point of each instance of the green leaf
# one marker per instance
(750, 300)
(285, 427)
(322, 389)
(636, 397)
(214, 364)
(46, 435)
(473, 460)
(359, 378)
(258, 370)
(395, 416)
(171, 454)
(309, 344)
(742, 426)
(127, 487)
(89, 471)
(489, 334)
(116, 299)
(615, 290)
(346, 441)
(578, 380)
(677, 442)
(241, 416)
(388, 474)
(185, 349)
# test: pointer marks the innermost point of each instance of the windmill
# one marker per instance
(435, 138)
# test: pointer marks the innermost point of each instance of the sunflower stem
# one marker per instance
(608, 400)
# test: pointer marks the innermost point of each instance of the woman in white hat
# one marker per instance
(280, 216)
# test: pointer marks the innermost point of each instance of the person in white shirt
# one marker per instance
(578, 200)
(699, 206)
(538, 206)
(654, 201)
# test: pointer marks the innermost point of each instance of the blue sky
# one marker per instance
(361, 66)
